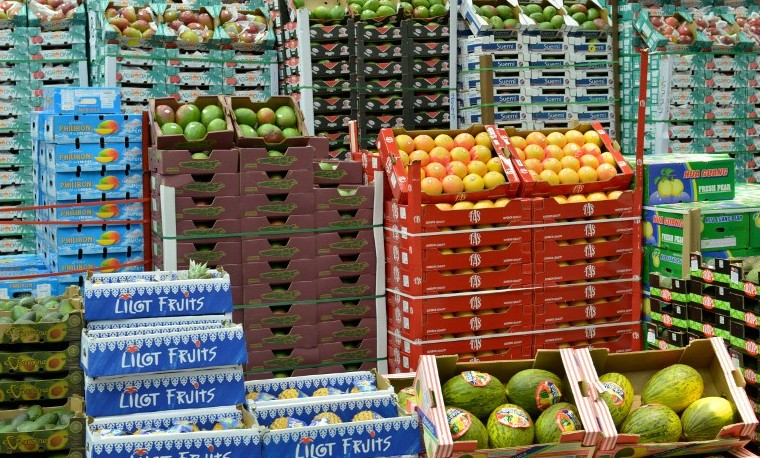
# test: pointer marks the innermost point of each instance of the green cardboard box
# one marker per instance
(675, 178)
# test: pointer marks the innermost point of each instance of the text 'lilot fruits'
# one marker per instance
(273, 125)
(190, 121)
(465, 163)
(569, 158)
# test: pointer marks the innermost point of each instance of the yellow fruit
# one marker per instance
(665, 188)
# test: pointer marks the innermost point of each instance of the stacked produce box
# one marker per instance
(42, 383)
(181, 50)
(703, 72)
(537, 66)
(291, 225)
(88, 168)
(478, 266)
(163, 364)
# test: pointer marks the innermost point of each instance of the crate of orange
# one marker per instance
(455, 165)
(582, 160)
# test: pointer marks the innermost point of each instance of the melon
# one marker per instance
(510, 426)
(465, 426)
(560, 418)
(407, 396)
(476, 392)
(534, 390)
(654, 424)
(705, 417)
(618, 396)
(676, 386)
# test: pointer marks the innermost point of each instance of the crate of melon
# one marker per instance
(580, 160)
(467, 410)
(694, 394)
(446, 166)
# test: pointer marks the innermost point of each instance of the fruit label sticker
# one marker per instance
(566, 421)
(459, 422)
(513, 417)
(547, 393)
(476, 378)
(617, 395)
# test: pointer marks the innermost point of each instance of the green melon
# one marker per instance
(510, 426)
(475, 392)
(705, 417)
(654, 424)
(404, 396)
(618, 396)
(560, 418)
(676, 386)
(534, 390)
(465, 426)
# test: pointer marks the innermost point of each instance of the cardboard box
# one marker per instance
(93, 157)
(285, 293)
(274, 205)
(186, 185)
(554, 272)
(616, 336)
(305, 336)
(354, 309)
(222, 139)
(64, 358)
(191, 389)
(261, 362)
(276, 182)
(548, 211)
(81, 100)
(346, 287)
(344, 243)
(274, 103)
(202, 208)
(47, 441)
(278, 272)
(177, 162)
(347, 331)
(408, 252)
(91, 128)
(292, 246)
(347, 352)
(89, 239)
(331, 266)
(114, 184)
(329, 172)
(342, 220)
(279, 316)
(587, 241)
(708, 357)
(589, 303)
(296, 155)
(433, 372)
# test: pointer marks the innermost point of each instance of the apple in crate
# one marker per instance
(272, 125)
(673, 28)
(190, 121)
(243, 27)
(8, 10)
(190, 26)
(464, 163)
(52, 10)
(132, 22)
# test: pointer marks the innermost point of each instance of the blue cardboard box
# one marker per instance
(192, 389)
(85, 262)
(156, 294)
(147, 349)
(92, 157)
(81, 100)
(90, 239)
(208, 441)
(114, 128)
(91, 210)
(113, 184)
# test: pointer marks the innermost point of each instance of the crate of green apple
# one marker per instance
(590, 16)
(193, 29)
(134, 26)
(279, 120)
(425, 9)
(492, 17)
(374, 10)
(203, 124)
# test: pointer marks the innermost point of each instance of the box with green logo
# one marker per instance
(674, 178)
(664, 262)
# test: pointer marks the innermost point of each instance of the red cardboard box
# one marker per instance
(330, 172)
(346, 265)
(344, 197)
(253, 205)
(279, 316)
(547, 210)
(625, 337)
(461, 238)
(281, 338)
(297, 154)
(347, 287)
(593, 248)
(278, 227)
(202, 208)
(300, 372)
(219, 253)
(278, 272)
(186, 185)
(343, 219)
(287, 293)
(587, 302)
(553, 272)
(530, 187)
(175, 162)
(348, 367)
(354, 351)
(223, 139)
(404, 354)
(347, 331)
(447, 259)
(406, 187)
(291, 246)
(346, 310)
(345, 243)
(237, 295)
(276, 360)
(201, 231)
(416, 281)
(276, 182)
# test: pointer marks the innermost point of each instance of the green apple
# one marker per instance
(347, 192)
(199, 156)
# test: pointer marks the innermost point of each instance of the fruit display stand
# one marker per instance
(294, 228)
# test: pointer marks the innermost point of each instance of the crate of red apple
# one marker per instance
(749, 23)
(566, 161)
(194, 29)
(247, 30)
(723, 31)
(673, 32)
(130, 25)
(452, 165)
(55, 14)
(204, 124)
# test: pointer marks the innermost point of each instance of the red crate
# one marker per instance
(345, 265)
(277, 227)
(288, 247)
(430, 218)
(338, 352)
(344, 197)
(296, 270)
(464, 302)
(578, 302)
(553, 272)
(583, 230)
(547, 210)
(346, 287)
(415, 322)
(469, 238)
(407, 190)
(404, 354)
(407, 254)
(344, 243)
(347, 331)
(300, 291)
(283, 358)
(279, 316)
(416, 281)
(281, 338)
(530, 187)
(346, 310)
(594, 248)
(617, 339)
